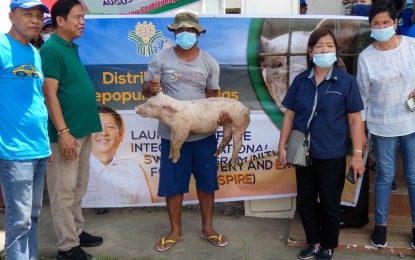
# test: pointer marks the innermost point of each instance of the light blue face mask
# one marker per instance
(186, 40)
(383, 35)
(324, 60)
(46, 37)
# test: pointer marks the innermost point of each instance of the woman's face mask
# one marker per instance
(361, 10)
(186, 40)
(383, 35)
(324, 60)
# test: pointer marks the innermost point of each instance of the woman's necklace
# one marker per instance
(399, 56)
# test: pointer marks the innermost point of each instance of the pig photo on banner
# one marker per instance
(258, 58)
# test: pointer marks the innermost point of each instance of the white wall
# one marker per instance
(4, 16)
(233, 3)
(333, 7)
(247, 6)
(269, 7)
(315, 7)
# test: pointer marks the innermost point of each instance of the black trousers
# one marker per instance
(319, 189)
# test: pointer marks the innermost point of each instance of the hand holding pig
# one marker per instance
(152, 87)
(155, 85)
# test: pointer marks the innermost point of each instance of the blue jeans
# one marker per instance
(22, 187)
(386, 149)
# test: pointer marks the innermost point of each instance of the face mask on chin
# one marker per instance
(324, 60)
(186, 40)
(383, 35)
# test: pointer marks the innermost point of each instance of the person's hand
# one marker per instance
(50, 160)
(225, 118)
(412, 94)
(282, 156)
(356, 162)
(69, 146)
(155, 85)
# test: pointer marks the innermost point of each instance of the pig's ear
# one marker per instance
(265, 44)
(168, 111)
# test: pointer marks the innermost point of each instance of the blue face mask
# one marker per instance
(361, 10)
(324, 60)
(186, 40)
(383, 35)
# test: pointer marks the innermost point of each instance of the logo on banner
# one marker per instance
(149, 41)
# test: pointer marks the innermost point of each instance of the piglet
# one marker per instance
(198, 116)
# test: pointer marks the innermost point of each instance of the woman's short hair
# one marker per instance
(382, 6)
(315, 36)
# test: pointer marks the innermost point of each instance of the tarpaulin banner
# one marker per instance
(129, 6)
(258, 58)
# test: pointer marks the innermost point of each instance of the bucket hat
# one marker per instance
(186, 19)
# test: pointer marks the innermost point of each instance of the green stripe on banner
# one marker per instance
(258, 82)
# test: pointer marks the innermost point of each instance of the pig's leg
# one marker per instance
(237, 144)
(227, 136)
(176, 143)
(238, 132)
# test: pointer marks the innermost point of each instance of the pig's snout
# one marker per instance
(140, 110)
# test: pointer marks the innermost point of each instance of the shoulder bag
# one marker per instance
(298, 145)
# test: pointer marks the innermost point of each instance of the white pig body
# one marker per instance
(198, 116)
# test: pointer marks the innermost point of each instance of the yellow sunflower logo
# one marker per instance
(149, 41)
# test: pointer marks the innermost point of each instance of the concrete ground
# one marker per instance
(132, 233)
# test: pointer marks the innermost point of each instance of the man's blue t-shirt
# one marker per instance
(23, 116)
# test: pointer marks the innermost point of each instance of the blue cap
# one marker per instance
(47, 21)
(303, 2)
(26, 4)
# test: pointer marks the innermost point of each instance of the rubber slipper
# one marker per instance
(164, 242)
(216, 240)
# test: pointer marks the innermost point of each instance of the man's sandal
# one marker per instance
(216, 240)
(164, 242)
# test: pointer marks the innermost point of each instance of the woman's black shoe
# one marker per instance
(325, 254)
(308, 253)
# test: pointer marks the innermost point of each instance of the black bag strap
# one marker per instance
(315, 112)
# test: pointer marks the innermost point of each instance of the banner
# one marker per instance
(128, 6)
(258, 56)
